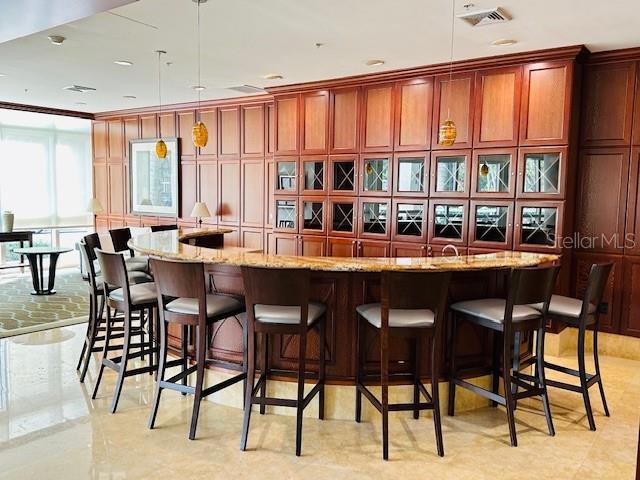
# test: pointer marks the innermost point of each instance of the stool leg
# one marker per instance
(516, 366)
(506, 375)
(452, 373)
(185, 360)
(596, 361)
(123, 360)
(495, 363)
(248, 392)
(105, 352)
(94, 325)
(384, 381)
(151, 356)
(245, 360)
(583, 378)
(322, 367)
(161, 370)
(264, 365)
(359, 355)
(200, 358)
(416, 376)
(87, 336)
(300, 401)
(543, 380)
(435, 393)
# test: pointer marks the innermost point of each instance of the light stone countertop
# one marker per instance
(169, 245)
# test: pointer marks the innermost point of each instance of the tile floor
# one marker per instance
(50, 428)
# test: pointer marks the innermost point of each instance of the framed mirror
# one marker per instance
(153, 181)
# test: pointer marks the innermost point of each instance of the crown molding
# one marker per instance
(48, 110)
(620, 55)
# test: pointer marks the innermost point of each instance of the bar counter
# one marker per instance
(341, 284)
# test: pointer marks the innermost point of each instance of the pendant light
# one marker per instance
(199, 133)
(448, 132)
(161, 147)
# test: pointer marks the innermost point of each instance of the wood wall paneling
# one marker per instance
(378, 113)
(270, 125)
(148, 126)
(116, 189)
(229, 140)
(99, 132)
(210, 119)
(252, 238)
(546, 103)
(229, 191)
(188, 189)
(607, 104)
(208, 188)
(186, 120)
(636, 109)
(287, 125)
(344, 118)
(252, 191)
(630, 321)
(269, 191)
(602, 198)
(454, 99)
(414, 99)
(253, 130)
(314, 124)
(115, 141)
(341, 247)
(101, 184)
(131, 132)
(314, 246)
(167, 125)
(497, 110)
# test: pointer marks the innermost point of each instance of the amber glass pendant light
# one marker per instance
(161, 147)
(448, 132)
(199, 133)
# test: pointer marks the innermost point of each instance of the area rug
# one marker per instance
(21, 312)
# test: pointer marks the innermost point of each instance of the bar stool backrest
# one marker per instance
(163, 228)
(179, 279)
(86, 252)
(119, 238)
(530, 286)
(598, 277)
(92, 241)
(114, 273)
(276, 286)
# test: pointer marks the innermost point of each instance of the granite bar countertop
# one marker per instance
(170, 245)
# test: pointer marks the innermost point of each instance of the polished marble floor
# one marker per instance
(50, 428)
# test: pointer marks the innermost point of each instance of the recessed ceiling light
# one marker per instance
(56, 39)
(81, 103)
(375, 63)
(124, 63)
(503, 42)
(272, 76)
(129, 96)
(199, 88)
(3, 74)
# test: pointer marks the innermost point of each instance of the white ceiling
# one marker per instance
(242, 40)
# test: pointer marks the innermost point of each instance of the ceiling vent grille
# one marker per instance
(79, 88)
(479, 18)
(247, 89)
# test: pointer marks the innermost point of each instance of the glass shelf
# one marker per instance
(538, 225)
(313, 215)
(411, 175)
(448, 221)
(375, 175)
(494, 173)
(542, 173)
(450, 174)
(286, 176)
(313, 175)
(410, 219)
(286, 214)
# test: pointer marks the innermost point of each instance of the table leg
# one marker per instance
(33, 264)
(53, 260)
(41, 267)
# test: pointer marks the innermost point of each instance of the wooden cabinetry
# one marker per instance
(376, 174)
(301, 245)
(450, 173)
(342, 216)
(313, 175)
(252, 238)
(378, 110)
(497, 109)
(448, 221)
(342, 247)
(229, 191)
(413, 114)
(632, 232)
(542, 172)
(400, 250)
(343, 175)
(286, 125)
(374, 218)
(314, 112)
(491, 224)
(493, 173)
(607, 104)
(410, 174)
(252, 130)
(546, 103)
(454, 99)
(539, 225)
(344, 120)
(372, 248)
(409, 220)
(630, 321)
(252, 192)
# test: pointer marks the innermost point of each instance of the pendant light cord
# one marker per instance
(199, 85)
(159, 86)
(453, 17)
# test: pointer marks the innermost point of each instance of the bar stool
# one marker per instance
(120, 238)
(163, 228)
(582, 314)
(278, 303)
(96, 297)
(129, 299)
(412, 305)
(511, 318)
(183, 300)
(93, 242)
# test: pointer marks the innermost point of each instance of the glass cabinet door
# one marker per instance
(343, 217)
(313, 176)
(312, 212)
(537, 225)
(374, 219)
(493, 173)
(540, 171)
(343, 175)
(448, 223)
(410, 220)
(491, 224)
(450, 174)
(286, 176)
(410, 175)
(375, 175)
(286, 215)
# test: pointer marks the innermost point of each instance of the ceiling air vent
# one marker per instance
(478, 18)
(79, 88)
(247, 89)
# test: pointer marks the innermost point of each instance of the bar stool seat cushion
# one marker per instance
(565, 306)
(493, 309)
(216, 305)
(287, 314)
(140, 294)
(135, 278)
(398, 318)
(138, 264)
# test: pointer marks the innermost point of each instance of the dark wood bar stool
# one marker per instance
(183, 300)
(120, 238)
(128, 299)
(95, 329)
(510, 318)
(412, 305)
(582, 314)
(278, 303)
(163, 228)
